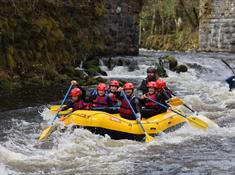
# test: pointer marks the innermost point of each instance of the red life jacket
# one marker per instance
(113, 99)
(125, 109)
(80, 104)
(100, 101)
(150, 104)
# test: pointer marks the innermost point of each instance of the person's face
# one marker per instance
(150, 75)
(151, 90)
(128, 92)
(75, 98)
(101, 93)
(113, 88)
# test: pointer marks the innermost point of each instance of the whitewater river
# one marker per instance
(185, 151)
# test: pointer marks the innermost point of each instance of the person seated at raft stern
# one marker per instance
(125, 110)
(99, 99)
(151, 76)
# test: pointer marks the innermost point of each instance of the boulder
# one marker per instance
(181, 68)
(171, 60)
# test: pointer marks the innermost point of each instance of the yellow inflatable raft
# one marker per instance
(119, 128)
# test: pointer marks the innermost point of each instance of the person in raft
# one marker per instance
(163, 94)
(125, 110)
(77, 99)
(112, 91)
(156, 92)
(151, 76)
(99, 99)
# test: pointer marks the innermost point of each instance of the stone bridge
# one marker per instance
(216, 30)
(217, 25)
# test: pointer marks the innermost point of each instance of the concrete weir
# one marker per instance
(217, 25)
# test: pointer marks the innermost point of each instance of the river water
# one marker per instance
(185, 151)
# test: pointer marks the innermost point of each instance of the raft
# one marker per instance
(116, 127)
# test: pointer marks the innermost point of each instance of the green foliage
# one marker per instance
(37, 38)
(170, 24)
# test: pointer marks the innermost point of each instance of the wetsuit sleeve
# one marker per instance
(143, 87)
(110, 104)
(169, 92)
(83, 91)
(136, 105)
(118, 95)
(165, 96)
(69, 105)
(142, 102)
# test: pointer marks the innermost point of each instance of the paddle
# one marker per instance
(148, 138)
(48, 130)
(228, 66)
(192, 119)
(97, 108)
(177, 101)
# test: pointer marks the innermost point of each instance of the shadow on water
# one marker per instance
(31, 96)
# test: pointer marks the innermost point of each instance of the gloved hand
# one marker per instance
(58, 110)
(120, 89)
(143, 96)
(73, 82)
(138, 117)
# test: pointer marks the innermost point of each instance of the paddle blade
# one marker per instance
(46, 132)
(175, 101)
(196, 122)
(148, 138)
(210, 123)
(54, 109)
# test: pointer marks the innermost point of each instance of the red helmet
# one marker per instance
(128, 86)
(101, 87)
(160, 84)
(114, 83)
(75, 92)
(151, 84)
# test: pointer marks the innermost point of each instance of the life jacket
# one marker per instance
(100, 101)
(150, 104)
(80, 104)
(113, 99)
(125, 109)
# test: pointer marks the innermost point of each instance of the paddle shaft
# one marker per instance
(141, 125)
(62, 103)
(184, 104)
(228, 66)
(164, 106)
(114, 107)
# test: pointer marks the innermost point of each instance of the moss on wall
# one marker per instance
(39, 40)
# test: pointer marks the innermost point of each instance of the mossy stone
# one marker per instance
(171, 60)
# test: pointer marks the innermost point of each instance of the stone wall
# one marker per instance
(121, 25)
(217, 25)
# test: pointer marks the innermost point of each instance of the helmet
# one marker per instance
(101, 87)
(75, 92)
(151, 84)
(160, 84)
(114, 83)
(151, 70)
(128, 86)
